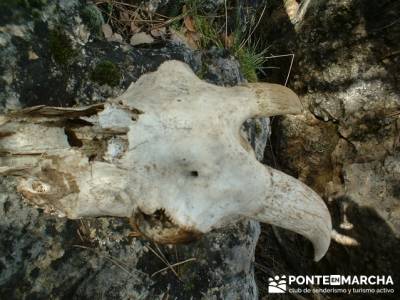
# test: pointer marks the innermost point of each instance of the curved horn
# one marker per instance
(292, 205)
(265, 99)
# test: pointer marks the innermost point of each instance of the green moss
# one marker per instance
(60, 47)
(93, 18)
(106, 72)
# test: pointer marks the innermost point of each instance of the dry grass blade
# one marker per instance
(127, 19)
(394, 114)
(159, 251)
(164, 260)
(169, 21)
(290, 67)
(174, 265)
(253, 30)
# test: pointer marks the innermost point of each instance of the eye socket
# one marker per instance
(194, 173)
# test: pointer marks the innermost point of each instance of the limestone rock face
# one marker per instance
(346, 147)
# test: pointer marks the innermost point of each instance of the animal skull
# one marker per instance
(167, 152)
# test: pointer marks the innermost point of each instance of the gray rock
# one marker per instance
(221, 68)
(52, 54)
(346, 146)
(258, 132)
(376, 184)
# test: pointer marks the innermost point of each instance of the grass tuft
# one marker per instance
(213, 31)
(251, 60)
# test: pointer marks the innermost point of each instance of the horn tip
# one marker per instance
(321, 246)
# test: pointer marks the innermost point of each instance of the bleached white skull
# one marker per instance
(167, 152)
